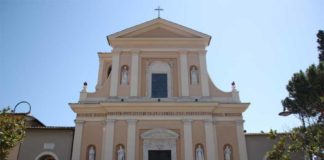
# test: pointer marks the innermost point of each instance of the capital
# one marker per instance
(135, 51)
(131, 121)
(240, 122)
(187, 121)
(182, 51)
(209, 121)
(203, 51)
(110, 121)
(79, 122)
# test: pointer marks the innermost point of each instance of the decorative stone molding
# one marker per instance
(240, 122)
(208, 121)
(131, 121)
(110, 99)
(160, 139)
(159, 133)
(79, 122)
(227, 114)
(158, 114)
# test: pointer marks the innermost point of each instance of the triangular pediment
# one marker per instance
(159, 28)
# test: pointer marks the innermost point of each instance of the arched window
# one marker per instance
(194, 75)
(108, 71)
(159, 80)
(47, 156)
(91, 152)
(124, 78)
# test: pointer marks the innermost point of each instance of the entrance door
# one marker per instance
(47, 157)
(159, 154)
(159, 85)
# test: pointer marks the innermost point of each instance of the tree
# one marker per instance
(12, 131)
(320, 41)
(306, 101)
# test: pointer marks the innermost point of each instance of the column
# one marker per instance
(77, 140)
(131, 132)
(134, 74)
(99, 81)
(108, 139)
(204, 73)
(241, 140)
(184, 73)
(187, 132)
(114, 73)
(212, 150)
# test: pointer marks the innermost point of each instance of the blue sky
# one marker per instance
(48, 48)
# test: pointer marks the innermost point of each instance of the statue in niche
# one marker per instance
(121, 153)
(227, 153)
(194, 75)
(199, 153)
(92, 153)
(124, 75)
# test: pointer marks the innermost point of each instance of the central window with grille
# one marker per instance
(159, 85)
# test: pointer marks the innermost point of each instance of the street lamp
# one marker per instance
(14, 110)
(285, 112)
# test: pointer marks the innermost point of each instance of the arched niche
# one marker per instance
(159, 140)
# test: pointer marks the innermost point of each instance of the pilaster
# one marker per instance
(99, 81)
(131, 137)
(212, 151)
(114, 73)
(108, 139)
(77, 140)
(187, 132)
(184, 73)
(204, 73)
(134, 73)
(241, 140)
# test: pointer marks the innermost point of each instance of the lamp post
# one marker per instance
(14, 110)
(285, 113)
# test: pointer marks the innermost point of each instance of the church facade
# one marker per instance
(154, 100)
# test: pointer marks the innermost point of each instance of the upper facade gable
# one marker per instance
(158, 29)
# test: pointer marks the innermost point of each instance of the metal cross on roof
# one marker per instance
(158, 9)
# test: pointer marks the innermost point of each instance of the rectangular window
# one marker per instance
(159, 85)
